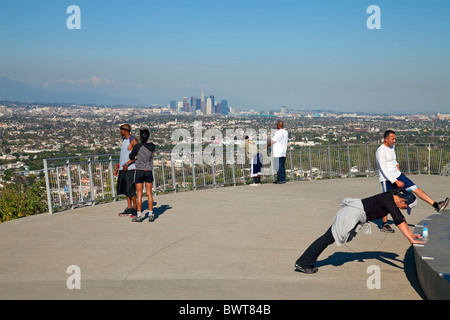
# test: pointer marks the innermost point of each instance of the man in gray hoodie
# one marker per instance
(352, 216)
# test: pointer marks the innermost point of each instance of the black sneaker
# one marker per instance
(133, 212)
(386, 228)
(125, 212)
(442, 205)
(306, 270)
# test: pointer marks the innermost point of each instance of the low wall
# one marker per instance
(433, 258)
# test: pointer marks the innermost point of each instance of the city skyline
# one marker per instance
(255, 54)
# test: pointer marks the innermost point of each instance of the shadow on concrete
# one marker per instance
(157, 211)
(339, 258)
(409, 265)
(411, 272)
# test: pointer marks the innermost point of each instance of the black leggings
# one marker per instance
(309, 257)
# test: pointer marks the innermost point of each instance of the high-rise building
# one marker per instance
(203, 103)
(213, 104)
(193, 104)
(209, 105)
(224, 107)
(219, 108)
(185, 104)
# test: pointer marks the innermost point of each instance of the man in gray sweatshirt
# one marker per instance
(352, 216)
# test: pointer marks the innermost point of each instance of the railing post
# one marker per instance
(310, 164)
(111, 176)
(418, 162)
(203, 171)
(290, 160)
(223, 171)
(329, 161)
(194, 183)
(69, 182)
(173, 176)
(429, 158)
(213, 171)
(320, 162)
(368, 161)
(184, 177)
(91, 180)
(301, 165)
(59, 186)
(100, 168)
(163, 174)
(349, 165)
(47, 187)
(407, 159)
(234, 173)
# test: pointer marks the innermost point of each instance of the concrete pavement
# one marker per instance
(225, 243)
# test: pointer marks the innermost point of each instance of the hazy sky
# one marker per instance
(255, 53)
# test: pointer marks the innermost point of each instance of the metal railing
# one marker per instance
(88, 180)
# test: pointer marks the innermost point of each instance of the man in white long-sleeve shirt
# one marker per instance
(391, 177)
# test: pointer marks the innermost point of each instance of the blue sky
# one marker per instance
(256, 54)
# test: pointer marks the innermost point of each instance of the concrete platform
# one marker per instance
(226, 243)
(433, 258)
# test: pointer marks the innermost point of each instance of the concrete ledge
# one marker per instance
(433, 258)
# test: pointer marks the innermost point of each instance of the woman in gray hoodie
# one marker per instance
(142, 156)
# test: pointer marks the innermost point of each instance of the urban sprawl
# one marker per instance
(31, 132)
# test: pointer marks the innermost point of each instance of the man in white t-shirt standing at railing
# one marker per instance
(391, 177)
(279, 142)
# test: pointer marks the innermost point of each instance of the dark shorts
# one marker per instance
(125, 183)
(409, 185)
(141, 176)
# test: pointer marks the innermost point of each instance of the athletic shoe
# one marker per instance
(442, 205)
(151, 218)
(125, 212)
(136, 219)
(306, 270)
(386, 228)
(133, 213)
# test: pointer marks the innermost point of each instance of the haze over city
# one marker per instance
(255, 54)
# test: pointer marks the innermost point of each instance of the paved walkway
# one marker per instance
(227, 243)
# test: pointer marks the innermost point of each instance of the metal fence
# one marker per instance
(89, 180)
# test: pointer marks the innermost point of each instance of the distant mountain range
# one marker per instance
(11, 90)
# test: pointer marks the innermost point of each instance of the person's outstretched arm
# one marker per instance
(408, 234)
